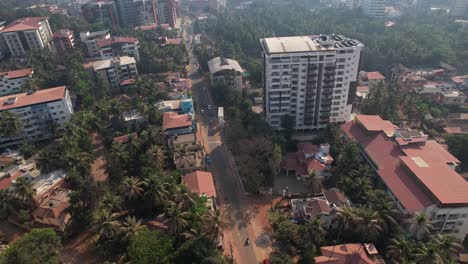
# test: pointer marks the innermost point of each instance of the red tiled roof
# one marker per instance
(124, 139)
(41, 96)
(107, 42)
(27, 23)
(316, 207)
(385, 154)
(334, 196)
(147, 27)
(6, 182)
(362, 89)
(431, 151)
(308, 148)
(17, 73)
(375, 76)
(127, 82)
(173, 41)
(200, 182)
(345, 254)
(173, 120)
(375, 123)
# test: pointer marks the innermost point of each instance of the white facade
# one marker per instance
(226, 69)
(27, 34)
(459, 8)
(116, 70)
(373, 8)
(11, 82)
(90, 39)
(120, 46)
(217, 5)
(37, 111)
(309, 78)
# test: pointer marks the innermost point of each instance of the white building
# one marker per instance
(312, 78)
(459, 8)
(90, 39)
(11, 82)
(216, 5)
(25, 34)
(37, 112)
(226, 69)
(373, 8)
(118, 46)
(116, 70)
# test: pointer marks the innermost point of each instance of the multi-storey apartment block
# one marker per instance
(89, 39)
(419, 174)
(103, 11)
(118, 46)
(134, 13)
(11, 82)
(226, 69)
(459, 8)
(167, 12)
(25, 34)
(311, 78)
(373, 8)
(42, 113)
(116, 70)
(63, 40)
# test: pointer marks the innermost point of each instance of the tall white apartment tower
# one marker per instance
(373, 8)
(312, 78)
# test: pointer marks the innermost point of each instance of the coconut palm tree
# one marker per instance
(120, 153)
(155, 190)
(133, 144)
(420, 225)
(105, 225)
(176, 218)
(129, 227)
(314, 181)
(213, 221)
(27, 149)
(7, 203)
(429, 254)
(153, 136)
(315, 232)
(158, 155)
(448, 246)
(183, 196)
(22, 189)
(345, 217)
(10, 125)
(132, 187)
(402, 249)
(111, 202)
(368, 223)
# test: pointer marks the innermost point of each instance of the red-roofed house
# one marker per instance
(308, 157)
(36, 111)
(118, 46)
(11, 82)
(370, 78)
(418, 173)
(52, 211)
(200, 182)
(175, 124)
(25, 34)
(348, 254)
(170, 41)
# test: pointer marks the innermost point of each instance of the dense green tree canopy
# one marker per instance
(151, 247)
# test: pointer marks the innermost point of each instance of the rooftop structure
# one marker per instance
(226, 69)
(347, 254)
(173, 120)
(419, 173)
(52, 211)
(116, 70)
(200, 182)
(11, 82)
(23, 24)
(308, 157)
(27, 99)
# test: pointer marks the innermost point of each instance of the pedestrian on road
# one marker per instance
(247, 242)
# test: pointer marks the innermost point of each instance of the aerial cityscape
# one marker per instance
(233, 131)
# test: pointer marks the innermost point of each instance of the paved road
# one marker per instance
(231, 196)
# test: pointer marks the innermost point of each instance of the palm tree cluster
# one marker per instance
(20, 196)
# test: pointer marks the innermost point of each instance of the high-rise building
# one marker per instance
(373, 8)
(216, 5)
(25, 34)
(167, 13)
(118, 46)
(134, 13)
(11, 82)
(90, 39)
(42, 113)
(103, 11)
(459, 8)
(311, 78)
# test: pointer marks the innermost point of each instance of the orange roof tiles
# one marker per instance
(17, 73)
(361, 89)
(344, 254)
(375, 76)
(316, 207)
(335, 196)
(106, 42)
(173, 120)
(7, 181)
(200, 182)
(22, 24)
(374, 123)
(39, 97)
